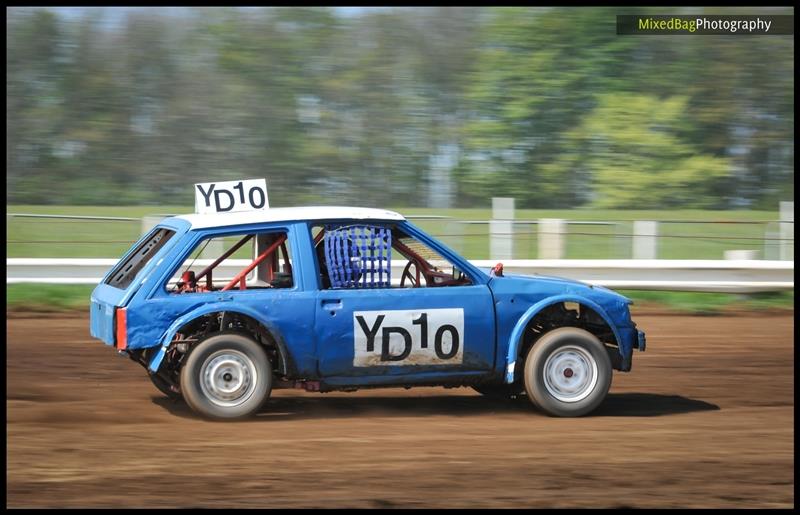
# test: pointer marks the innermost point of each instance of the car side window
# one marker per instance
(245, 261)
(368, 256)
(126, 271)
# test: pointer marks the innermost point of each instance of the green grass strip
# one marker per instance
(48, 297)
(711, 303)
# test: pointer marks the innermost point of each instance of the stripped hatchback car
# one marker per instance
(221, 309)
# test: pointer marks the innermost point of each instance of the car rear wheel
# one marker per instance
(163, 386)
(226, 376)
(567, 372)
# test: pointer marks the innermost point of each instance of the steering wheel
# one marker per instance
(412, 278)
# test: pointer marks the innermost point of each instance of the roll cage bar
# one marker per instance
(189, 281)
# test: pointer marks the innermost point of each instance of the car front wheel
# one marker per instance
(226, 376)
(567, 372)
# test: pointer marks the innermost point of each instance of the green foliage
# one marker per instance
(547, 105)
(632, 148)
(568, 113)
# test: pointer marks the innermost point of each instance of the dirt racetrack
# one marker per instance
(705, 419)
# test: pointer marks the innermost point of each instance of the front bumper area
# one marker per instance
(631, 338)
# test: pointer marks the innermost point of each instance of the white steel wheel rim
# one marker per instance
(228, 378)
(570, 374)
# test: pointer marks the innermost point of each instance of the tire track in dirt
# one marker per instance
(705, 419)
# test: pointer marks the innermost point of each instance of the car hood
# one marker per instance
(535, 287)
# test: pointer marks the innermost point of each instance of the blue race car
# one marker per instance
(223, 308)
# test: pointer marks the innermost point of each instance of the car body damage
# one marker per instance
(346, 298)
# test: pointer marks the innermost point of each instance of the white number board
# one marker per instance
(424, 337)
(229, 196)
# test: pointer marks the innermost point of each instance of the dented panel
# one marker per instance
(519, 298)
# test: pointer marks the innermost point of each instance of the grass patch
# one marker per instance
(712, 303)
(69, 238)
(34, 238)
(48, 297)
(679, 239)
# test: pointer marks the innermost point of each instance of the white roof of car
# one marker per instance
(289, 214)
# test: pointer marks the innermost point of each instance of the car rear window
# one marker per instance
(126, 270)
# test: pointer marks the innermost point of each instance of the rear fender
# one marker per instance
(158, 357)
(515, 340)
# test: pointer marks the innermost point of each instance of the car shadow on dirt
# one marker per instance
(649, 405)
(289, 407)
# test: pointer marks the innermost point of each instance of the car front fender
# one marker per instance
(515, 339)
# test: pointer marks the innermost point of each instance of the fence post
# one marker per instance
(501, 229)
(771, 241)
(645, 239)
(786, 224)
(551, 238)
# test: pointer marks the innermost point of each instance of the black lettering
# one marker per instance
(437, 341)
(240, 187)
(422, 321)
(230, 198)
(261, 194)
(385, 355)
(370, 333)
(206, 196)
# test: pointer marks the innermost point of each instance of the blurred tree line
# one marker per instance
(439, 107)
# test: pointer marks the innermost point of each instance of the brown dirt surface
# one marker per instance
(705, 419)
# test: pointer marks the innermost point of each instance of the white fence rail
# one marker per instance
(732, 276)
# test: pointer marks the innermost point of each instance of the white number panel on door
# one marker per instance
(408, 337)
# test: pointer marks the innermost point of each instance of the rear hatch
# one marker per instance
(105, 300)
(119, 285)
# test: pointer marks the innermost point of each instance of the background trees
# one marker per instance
(402, 107)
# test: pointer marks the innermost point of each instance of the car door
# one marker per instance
(404, 334)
